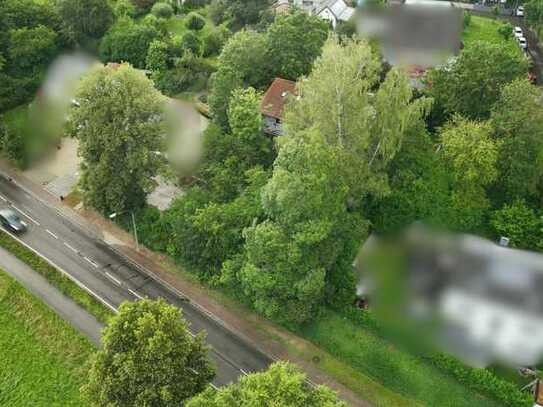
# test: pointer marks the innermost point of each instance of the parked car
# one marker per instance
(10, 220)
(517, 32)
(520, 11)
(522, 43)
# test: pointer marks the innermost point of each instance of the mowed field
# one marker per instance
(42, 358)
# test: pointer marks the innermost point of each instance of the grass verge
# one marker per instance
(395, 369)
(485, 29)
(42, 357)
(56, 278)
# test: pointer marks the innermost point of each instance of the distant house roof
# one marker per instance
(338, 8)
(113, 65)
(281, 6)
(275, 97)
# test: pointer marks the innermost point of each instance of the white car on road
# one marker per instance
(522, 43)
(517, 32)
(520, 11)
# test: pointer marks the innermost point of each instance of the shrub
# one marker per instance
(505, 30)
(195, 22)
(194, 4)
(520, 223)
(124, 8)
(13, 145)
(143, 6)
(217, 12)
(215, 40)
(163, 10)
(191, 42)
(483, 381)
(128, 42)
(467, 19)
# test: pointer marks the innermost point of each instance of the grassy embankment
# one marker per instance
(56, 278)
(42, 358)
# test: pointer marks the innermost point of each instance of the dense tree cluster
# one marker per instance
(31, 34)
(149, 357)
(85, 19)
(287, 49)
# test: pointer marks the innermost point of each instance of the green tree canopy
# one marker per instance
(162, 10)
(195, 21)
(129, 42)
(340, 99)
(242, 62)
(86, 18)
(519, 223)
(119, 126)
(294, 40)
(517, 118)
(419, 186)
(339, 137)
(30, 36)
(148, 358)
(470, 154)
(32, 47)
(283, 384)
(143, 6)
(471, 84)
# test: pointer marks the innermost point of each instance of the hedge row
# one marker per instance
(477, 379)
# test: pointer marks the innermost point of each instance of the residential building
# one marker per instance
(272, 105)
(335, 11)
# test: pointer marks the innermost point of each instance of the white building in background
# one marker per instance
(335, 11)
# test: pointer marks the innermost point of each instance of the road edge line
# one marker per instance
(63, 272)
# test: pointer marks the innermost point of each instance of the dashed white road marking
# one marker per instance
(113, 278)
(75, 280)
(3, 199)
(51, 233)
(91, 262)
(73, 249)
(136, 294)
(26, 215)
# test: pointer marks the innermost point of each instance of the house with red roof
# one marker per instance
(272, 105)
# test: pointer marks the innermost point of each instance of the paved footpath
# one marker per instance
(65, 307)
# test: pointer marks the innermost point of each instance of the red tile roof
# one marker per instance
(275, 97)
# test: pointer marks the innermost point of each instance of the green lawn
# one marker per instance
(397, 370)
(177, 25)
(42, 358)
(485, 29)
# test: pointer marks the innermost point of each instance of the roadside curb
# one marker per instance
(73, 218)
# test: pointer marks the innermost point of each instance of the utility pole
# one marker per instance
(135, 231)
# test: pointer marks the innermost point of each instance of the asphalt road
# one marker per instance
(112, 279)
(64, 306)
(534, 49)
